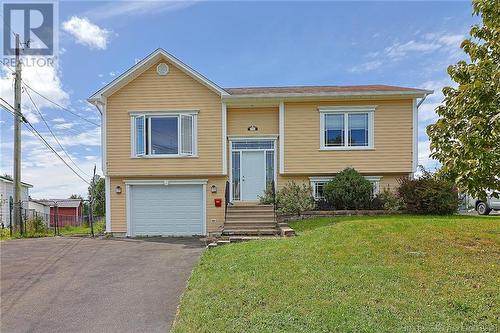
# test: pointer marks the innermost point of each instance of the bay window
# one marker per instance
(346, 128)
(164, 135)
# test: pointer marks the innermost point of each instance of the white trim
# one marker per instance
(346, 111)
(360, 108)
(415, 137)
(107, 195)
(253, 138)
(166, 182)
(158, 112)
(128, 209)
(103, 138)
(224, 138)
(282, 137)
(145, 63)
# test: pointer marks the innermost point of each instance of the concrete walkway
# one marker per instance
(93, 285)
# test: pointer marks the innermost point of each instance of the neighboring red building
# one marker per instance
(65, 212)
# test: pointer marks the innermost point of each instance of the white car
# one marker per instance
(485, 207)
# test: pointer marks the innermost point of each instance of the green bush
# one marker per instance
(267, 198)
(36, 227)
(389, 200)
(428, 195)
(294, 199)
(349, 190)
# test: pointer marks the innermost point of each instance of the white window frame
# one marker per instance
(375, 180)
(147, 140)
(346, 111)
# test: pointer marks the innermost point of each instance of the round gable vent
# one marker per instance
(162, 69)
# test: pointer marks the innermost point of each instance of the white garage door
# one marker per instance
(173, 210)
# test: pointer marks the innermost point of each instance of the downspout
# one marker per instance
(415, 133)
(422, 100)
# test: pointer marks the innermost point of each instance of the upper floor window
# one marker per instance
(167, 135)
(346, 128)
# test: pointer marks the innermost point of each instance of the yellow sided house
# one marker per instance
(177, 148)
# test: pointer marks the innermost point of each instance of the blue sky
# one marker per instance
(233, 44)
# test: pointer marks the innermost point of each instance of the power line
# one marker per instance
(53, 135)
(38, 135)
(60, 106)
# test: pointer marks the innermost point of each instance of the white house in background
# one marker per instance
(39, 208)
(7, 192)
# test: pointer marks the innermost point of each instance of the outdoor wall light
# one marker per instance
(213, 189)
(118, 189)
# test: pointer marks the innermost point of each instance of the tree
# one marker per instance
(85, 204)
(99, 208)
(466, 137)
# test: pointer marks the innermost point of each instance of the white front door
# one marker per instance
(253, 175)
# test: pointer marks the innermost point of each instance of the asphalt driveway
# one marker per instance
(93, 285)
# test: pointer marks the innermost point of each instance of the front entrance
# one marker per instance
(252, 168)
(253, 175)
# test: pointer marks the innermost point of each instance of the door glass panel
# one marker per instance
(236, 175)
(269, 167)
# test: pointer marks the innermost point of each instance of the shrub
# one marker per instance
(322, 204)
(267, 198)
(349, 190)
(428, 195)
(35, 226)
(389, 200)
(294, 199)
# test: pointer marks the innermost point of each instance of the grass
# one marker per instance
(352, 274)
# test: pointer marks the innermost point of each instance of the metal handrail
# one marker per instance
(273, 191)
(226, 199)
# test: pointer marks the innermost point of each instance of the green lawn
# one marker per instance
(352, 274)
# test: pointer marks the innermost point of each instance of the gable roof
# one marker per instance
(67, 203)
(144, 64)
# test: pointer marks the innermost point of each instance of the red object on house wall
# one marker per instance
(218, 202)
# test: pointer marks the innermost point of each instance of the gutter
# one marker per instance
(417, 93)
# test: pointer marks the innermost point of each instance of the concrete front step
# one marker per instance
(251, 219)
(247, 232)
(250, 207)
(233, 226)
(250, 213)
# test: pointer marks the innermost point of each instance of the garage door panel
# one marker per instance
(166, 210)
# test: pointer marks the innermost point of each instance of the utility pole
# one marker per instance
(17, 140)
(91, 210)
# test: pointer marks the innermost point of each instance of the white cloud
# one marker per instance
(445, 46)
(64, 126)
(87, 33)
(366, 67)
(398, 50)
(44, 79)
(136, 8)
